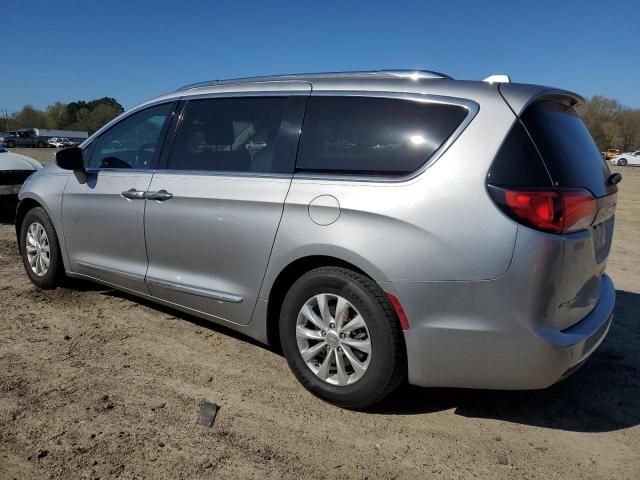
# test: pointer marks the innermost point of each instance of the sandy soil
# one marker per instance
(94, 383)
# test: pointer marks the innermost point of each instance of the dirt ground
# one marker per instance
(95, 383)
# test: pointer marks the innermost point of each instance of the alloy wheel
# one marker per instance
(37, 248)
(333, 339)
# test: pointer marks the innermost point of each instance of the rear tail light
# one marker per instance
(556, 211)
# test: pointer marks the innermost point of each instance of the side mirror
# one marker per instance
(70, 159)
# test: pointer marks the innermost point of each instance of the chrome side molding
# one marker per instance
(201, 292)
(111, 271)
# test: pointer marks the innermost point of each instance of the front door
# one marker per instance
(103, 209)
(220, 198)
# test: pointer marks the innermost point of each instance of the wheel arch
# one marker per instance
(287, 276)
(29, 201)
(24, 206)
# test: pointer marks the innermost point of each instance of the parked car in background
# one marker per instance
(6, 135)
(23, 138)
(61, 142)
(454, 233)
(628, 158)
(38, 137)
(14, 170)
(612, 152)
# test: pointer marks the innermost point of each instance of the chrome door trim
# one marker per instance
(472, 110)
(112, 271)
(103, 171)
(223, 173)
(201, 292)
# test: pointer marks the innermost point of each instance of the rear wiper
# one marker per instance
(614, 179)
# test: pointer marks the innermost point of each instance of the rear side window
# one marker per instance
(373, 136)
(567, 148)
(518, 163)
(243, 134)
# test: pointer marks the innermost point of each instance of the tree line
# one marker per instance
(612, 124)
(80, 115)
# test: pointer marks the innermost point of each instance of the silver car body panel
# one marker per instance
(104, 230)
(214, 235)
(482, 294)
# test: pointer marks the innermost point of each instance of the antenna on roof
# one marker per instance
(500, 78)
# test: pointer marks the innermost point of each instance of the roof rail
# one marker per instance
(410, 74)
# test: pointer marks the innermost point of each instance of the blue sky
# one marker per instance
(133, 50)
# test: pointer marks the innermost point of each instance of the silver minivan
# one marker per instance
(376, 226)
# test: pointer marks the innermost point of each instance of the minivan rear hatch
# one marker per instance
(574, 167)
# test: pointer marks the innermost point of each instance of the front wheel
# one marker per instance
(10, 144)
(622, 162)
(341, 337)
(40, 249)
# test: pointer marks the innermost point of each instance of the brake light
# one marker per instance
(556, 211)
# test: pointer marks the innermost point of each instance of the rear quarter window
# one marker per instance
(567, 148)
(373, 136)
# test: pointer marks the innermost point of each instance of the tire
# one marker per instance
(53, 275)
(385, 364)
(41, 144)
(622, 162)
(11, 144)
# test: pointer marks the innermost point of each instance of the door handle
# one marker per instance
(133, 194)
(160, 195)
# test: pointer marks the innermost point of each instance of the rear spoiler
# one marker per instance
(519, 96)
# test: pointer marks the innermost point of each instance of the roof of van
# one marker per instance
(406, 82)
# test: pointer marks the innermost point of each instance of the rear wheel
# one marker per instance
(341, 337)
(40, 250)
(41, 144)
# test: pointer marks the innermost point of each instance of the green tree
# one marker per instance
(630, 129)
(57, 116)
(92, 115)
(102, 114)
(613, 134)
(82, 120)
(29, 117)
(612, 124)
(80, 115)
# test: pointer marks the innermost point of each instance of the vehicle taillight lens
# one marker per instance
(556, 211)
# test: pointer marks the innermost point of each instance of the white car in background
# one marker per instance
(627, 158)
(61, 142)
(14, 170)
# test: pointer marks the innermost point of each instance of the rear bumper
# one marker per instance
(463, 341)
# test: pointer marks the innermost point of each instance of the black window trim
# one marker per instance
(175, 126)
(88, 144)
(471, 107)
